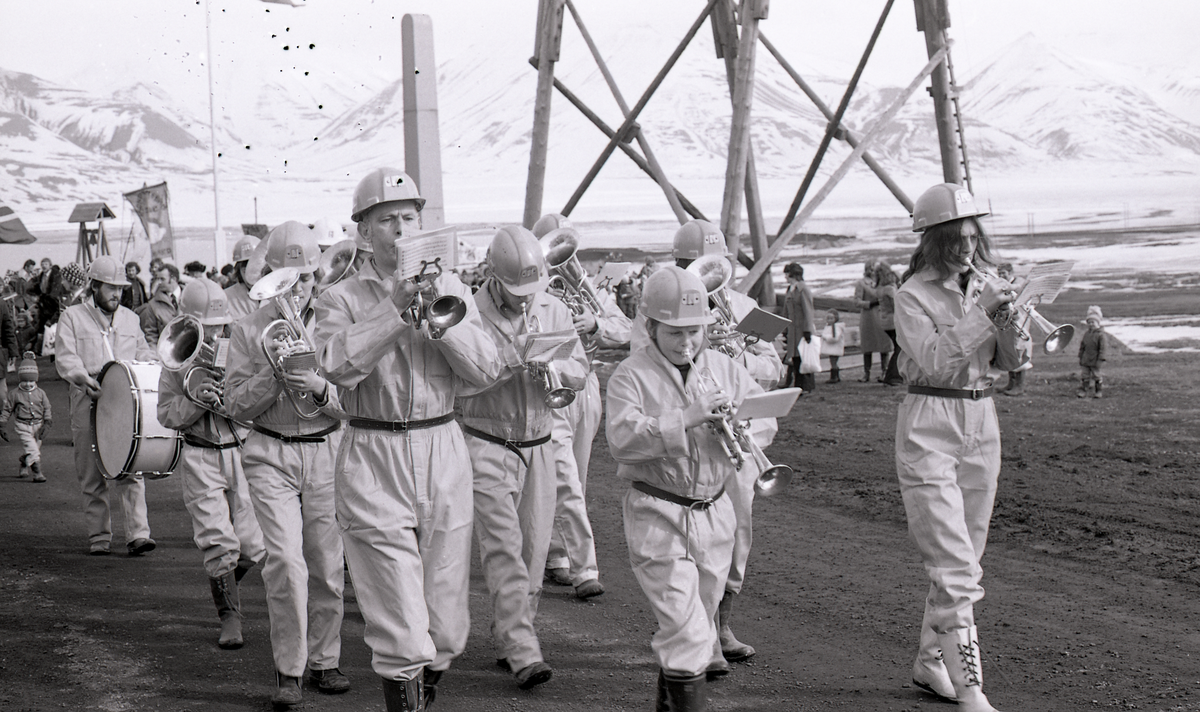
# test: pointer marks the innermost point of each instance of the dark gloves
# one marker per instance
(808, 337)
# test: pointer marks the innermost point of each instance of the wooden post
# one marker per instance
(739, 133)
(933, 17)
(545, 51)
(422, 138)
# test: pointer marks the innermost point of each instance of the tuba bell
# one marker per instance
(182, 347)
(337, 263)
(284, 341)
(715, 272)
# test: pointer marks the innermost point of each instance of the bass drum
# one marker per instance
(130, 442)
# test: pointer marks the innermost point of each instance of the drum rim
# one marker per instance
(135, 444)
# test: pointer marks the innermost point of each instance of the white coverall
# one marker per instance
(765, 367)
(572, 545)
(948, 449)
(29, 409)
(515, 494)
(87, 339)
(237, 296)
(680, 555)
(291, 485)
(215, 492)
(404, 498)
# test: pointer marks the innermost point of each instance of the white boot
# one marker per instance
(961, 652)
(929, 672)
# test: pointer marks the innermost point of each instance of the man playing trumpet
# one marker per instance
(210, 461)
(508, 431)
(289, 462)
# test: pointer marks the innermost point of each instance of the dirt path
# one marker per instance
(1091, 576)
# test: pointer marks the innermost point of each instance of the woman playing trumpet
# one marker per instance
(950, 322)
(679, 524)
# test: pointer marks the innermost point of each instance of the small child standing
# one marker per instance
(1091, 353)
(833, 343)
(29, 406)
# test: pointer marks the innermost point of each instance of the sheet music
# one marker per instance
(1045, 282)
(546, 346)
(439, 245)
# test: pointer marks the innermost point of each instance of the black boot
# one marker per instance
(1016, 384)
(404, 695)
(225, 595)
(36, 468)
(432, 677)
(243, 568)
(733, 649)
(683, 694)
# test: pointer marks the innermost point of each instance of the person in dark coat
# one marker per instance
(135, 294)
(798, 309)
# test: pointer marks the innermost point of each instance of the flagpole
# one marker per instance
(218, 233)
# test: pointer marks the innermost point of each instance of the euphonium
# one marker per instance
(560, 248)
(442, 311)
(182, 347)
(337, 263)
(716, 271)
(557, 395)
(284, 341)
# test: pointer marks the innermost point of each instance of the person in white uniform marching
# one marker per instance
(508, 434)
(679, 525)
(404, 476)
(953, 323)
(90, 334)
(289, 461)
(210, 460)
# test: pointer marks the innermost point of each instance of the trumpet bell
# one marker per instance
(445, 311)
(1053, 338)
(773, 480)
(560, 397)
(180, 342)
(714, 270)
(274, 284)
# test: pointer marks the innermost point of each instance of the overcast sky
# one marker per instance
(110, 43)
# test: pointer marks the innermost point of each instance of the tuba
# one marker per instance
(561, 247)
(182, 347)
(557, 395)
(442, 311)
(284, 341)
(715, 272)
(337, 263)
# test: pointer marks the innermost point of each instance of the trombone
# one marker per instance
(284, 341)
(546, 375)
(1031, 325)
(442, 311)
(715, 272)
(182, 347)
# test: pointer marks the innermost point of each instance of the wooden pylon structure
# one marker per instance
(93, 242)
(737, 34)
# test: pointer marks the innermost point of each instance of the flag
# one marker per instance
(12, 230)
(152, 205)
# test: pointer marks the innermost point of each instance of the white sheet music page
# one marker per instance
(439, 246)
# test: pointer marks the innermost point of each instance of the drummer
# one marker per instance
(90, 334)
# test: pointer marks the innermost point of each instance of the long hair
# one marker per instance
(938, 249)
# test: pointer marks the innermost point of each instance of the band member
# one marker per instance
(679, 525)
(693, 240)
(210, 461)
(403, 476)
(29, 407)
(288, 459)
(508, 434)
(947, 435)
(572, 557)
(238, 293)
(90, 334)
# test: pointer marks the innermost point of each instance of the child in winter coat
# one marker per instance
(1092, 353)
(833, 343)
(30, 407)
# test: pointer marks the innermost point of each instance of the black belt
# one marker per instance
(317, 437)
(206, 444)
(514, 445)
(31, 420)
(689, 502)
(400, 426)
(963, 393)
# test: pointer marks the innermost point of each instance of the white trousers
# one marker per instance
(740, 489)
(217, 497)
(405, 510)
(33, 446)
(572, 545)
(514, 510)
(130, 491)
(948, 460)
(291, 485)
(681, 560)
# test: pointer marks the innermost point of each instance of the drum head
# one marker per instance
(113, 420)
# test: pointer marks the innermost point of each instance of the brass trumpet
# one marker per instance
(557, 395)
(182, 347)
(284, 341)
(1028, 323)
(442, 311)
(715, 272)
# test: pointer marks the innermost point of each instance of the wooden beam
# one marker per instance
(933, 18)
(739, 131)
(422, 136)
(546, 47)
(786, 234)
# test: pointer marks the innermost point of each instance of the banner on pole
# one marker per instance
(152, 205)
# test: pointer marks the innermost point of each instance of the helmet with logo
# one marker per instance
(205, 300)
(676, 297)
(244, 247)
(548, 222)
(515, 258)
(384, 185)
(697, 238)
(106, 269)
(293, 244)
(942, 203)
(329, 232)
